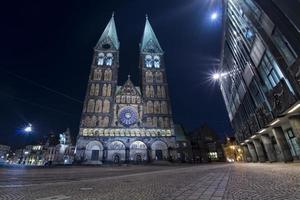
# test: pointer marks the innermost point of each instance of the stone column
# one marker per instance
(247, 154)
(269, 147)
(295, 124)
(282, 144)
(252, 152)
(259, 150)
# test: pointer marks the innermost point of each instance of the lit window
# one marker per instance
(156, 61)
(109, 59)
(148, 61)
(100, 59)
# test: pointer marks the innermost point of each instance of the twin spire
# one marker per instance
(149, 43)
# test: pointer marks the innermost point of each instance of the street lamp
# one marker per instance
(28, 128)
(214, 16)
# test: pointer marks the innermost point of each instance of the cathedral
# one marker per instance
(127, 123)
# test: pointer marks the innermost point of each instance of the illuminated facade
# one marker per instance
(126, 123)
(261, 85)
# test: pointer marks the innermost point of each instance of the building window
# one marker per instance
(148, 61)
(109, 58)
(156, 61)
(100, 59)
(284, 47)
(269, 71)
(213, 155)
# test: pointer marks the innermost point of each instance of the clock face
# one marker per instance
(128, 116)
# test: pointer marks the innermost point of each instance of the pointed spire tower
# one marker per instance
(149, 43)
(102, 84)
(109, 37)
(157, 105)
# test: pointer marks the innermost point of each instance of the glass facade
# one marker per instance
(256, 58)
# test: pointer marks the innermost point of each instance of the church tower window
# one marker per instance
(109, 59)
(156, 61)
(100, 59)
(148, 61)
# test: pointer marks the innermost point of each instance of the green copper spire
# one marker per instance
(109, 36)
(149, 42)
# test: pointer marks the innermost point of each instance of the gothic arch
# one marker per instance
(93, 121)
(96, 93)
(154, 121)
(107, 75)
(87, 121)
(116, 148)
(151, 91)
(161, 122)
(100, 121)
(98, 107)
(94, 147)
(109, 59)
(147, 91)
(149, 77)
(105, 121)
(156, 107)
(104, 90)
(91, 105)
(106, 106)
(163, 92)
(164, 107)
(167, 123)
(138, 148)
(158, 92)
(97, 74)
(108, 90)
(149, 107)
(149, 121)
(92, 89)
(100, 59)
(159, 77)
(159, 148)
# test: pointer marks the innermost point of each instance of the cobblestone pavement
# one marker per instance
(214, 181)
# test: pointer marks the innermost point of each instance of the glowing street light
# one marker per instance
(214, 16)
(217, 76)
(28, 128)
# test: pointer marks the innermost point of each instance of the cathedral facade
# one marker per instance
(128, 123)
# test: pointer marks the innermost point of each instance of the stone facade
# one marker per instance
(126, 123)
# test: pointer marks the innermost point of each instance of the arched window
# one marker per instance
(100, 59)
(159, 77)
(107, 75)
(164, 108)
(118, 99)
(147, 91)
(149, 107)
(91, 105)
(167, 124)
(109, 59)
(96, 90)
(154, 121)
(98, 107)
(156, 107)
(105, 121)
(158, 92)
(106, 106)
(151, 91)
(92, 90)
(149, 121)
(149, 77)
(93, 121)
(161, 122)
(87, 121)
(97, 74)
(148, 61)
(163, 92)
(156, 61)
(108, 90)
(100, 121)
(104, 90)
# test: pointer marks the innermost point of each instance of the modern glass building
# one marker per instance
(260, 80)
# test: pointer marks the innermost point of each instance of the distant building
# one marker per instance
(33, 155)
(260, 79)
(4, 153)
(59, 149)
(205, 145)
(183, 145)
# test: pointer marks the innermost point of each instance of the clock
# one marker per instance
(128, 116)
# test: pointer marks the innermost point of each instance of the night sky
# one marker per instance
(48, 45)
